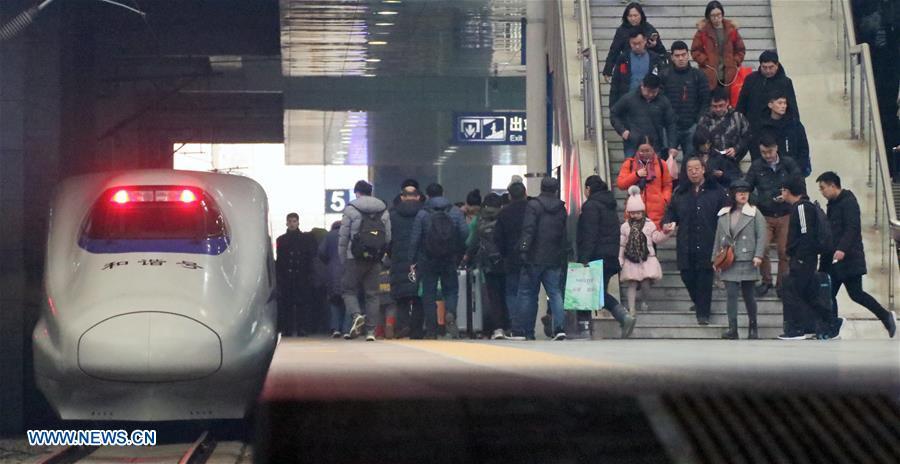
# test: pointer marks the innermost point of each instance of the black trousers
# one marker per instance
(294, 311)
(496, 313)
(858, 295)
(804, 309)
(409, 312)
(699, 283)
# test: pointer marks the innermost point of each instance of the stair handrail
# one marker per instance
(590, 88)
(865, 118)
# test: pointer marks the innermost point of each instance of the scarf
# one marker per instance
(636, 248)
(652, 165)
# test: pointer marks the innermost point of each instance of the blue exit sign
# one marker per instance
(490, 128)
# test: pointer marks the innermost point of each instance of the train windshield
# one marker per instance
(163, 218)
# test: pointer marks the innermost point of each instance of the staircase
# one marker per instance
(669, 315)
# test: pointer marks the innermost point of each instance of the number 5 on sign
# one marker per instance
(336, 200)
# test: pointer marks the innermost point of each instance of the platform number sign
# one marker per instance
(336, 201)
(492, 128)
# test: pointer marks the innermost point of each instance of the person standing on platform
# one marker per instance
(328, 254)
(506, 236)
(295, 252)
(405, 289)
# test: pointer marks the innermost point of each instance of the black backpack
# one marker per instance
(370, 242)
(442, 238)
(489, 256)
(824, 237)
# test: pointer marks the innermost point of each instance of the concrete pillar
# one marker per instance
(536, 93)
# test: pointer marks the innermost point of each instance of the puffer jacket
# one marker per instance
(641, 117)
(508, 233)
(543, 240)
(423, 220)
(753, 101)
(688, 93)
(766, 184)
(598, 230)
(620, 44)
(705, 51)
(402, 218)
(846, 230)
(619, 86)
(486, 218)
(792, 141)
(656, 194)
(328, 254)
(352, 219)
(730, 130)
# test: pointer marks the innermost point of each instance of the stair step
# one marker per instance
(690, 319)
(605, 329)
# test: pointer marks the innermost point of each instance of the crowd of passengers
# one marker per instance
(684, 174)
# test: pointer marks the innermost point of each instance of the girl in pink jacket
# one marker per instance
(637, 253)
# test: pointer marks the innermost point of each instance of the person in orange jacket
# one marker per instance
(649, 172)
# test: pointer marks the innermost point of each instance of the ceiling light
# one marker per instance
(368, 75)
(391, 1)
(386, 13)
(377, 42)
(373, 60)
(384, 24)
(450, 150)
(346, 129)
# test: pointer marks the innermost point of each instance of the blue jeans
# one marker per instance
(429, 274)
(686, 141)
(339, 323)
(512, 295)
(532, 277)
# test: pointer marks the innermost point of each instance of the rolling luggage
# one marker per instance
(469, 306)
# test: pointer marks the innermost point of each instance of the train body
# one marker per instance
(160, 297)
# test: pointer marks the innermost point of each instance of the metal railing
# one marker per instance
(865, 125)
(590, 87)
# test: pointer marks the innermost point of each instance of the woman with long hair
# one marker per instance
(718, 47)
(633, 18)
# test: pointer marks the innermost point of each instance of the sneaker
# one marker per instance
(370, 338)
(359, 321)
(498, 335)
(450, 324)
(835, 332)
(516, 337)
(703, 320)
(347, 336)
(762, 289)
(891, 324)
(548, 330)
(559, 336)
(792, 336)
(628, 325)
(336, 334)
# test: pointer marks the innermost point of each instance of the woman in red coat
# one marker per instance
(718, 47)
(649, 172)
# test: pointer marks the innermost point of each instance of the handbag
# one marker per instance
(724, 258)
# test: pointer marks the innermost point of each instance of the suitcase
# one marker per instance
(469, 306)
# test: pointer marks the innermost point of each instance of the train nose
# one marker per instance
(149, 347)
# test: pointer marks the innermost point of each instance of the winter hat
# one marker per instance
(549, 185)
(634, 201)
(516, 179)
(768, 56)
(740, 185)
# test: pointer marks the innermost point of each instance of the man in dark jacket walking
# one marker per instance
(632, 67)
(543, 250)
(687, 89)
(294, 265)
(646, 112)
(507, 234)
(598, 238)
(404, 290)
(788, 131)
(693, 212)
(328, 254)
(435, 258)
(802, 300)
(848, 263)
(765, 176)
(754, 98)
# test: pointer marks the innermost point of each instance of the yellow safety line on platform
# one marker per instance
(501, 356)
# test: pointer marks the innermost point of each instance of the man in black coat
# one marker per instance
(632, 66)
(404, 290)
(765, 176)
(803, 305)
(687, 89)
(598, 238)
(507, 233)
(848, 263)
(543, 249)
(694, 213)
(646, 112)
(294, 266)
(754, 98)
(787, 130)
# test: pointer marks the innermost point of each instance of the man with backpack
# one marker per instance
(483, 252)
(363, 240)
(543, 249)
(437, 242)
(809, 234)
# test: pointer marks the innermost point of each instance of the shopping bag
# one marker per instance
(584, 287)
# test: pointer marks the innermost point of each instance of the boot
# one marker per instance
(732, 332)
(752, 332)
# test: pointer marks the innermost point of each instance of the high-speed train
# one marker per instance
(160, 297)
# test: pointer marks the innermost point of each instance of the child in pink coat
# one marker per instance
(637, 253)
